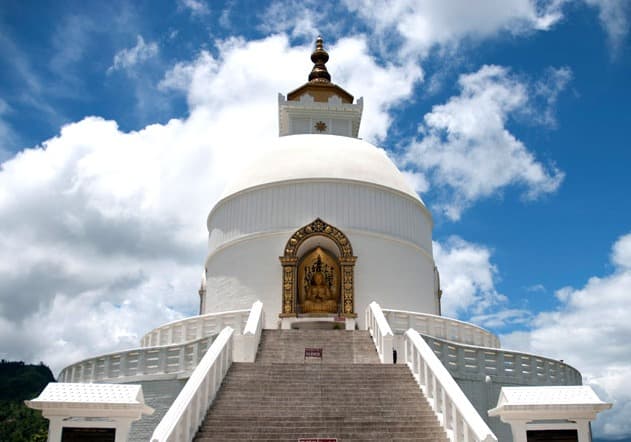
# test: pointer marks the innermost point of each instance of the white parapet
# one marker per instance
(170, 351)
(139, 364)
(548, 409)
(441, 327)
(505, 366)
(187, 412)
(97, 407)
(195, 327)
(455, 412)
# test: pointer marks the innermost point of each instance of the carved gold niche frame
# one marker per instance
(289, 261)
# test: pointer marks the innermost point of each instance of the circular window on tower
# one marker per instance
(320, 126)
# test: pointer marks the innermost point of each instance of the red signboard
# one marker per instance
(317, 439)
(313, 353)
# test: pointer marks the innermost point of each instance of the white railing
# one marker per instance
(246, 345)
(440, 327)
(163, 362)
(455, 412)
(195, 327)
(380, 331)
(187, 412)
(464, 361)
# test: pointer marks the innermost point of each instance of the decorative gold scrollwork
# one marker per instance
(289, 262)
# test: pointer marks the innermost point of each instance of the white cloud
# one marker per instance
(547, 91)
(467, 278)
(197, 7)
(416, 180)
(614, 16)
(351, 65)
(621, 253)
(104, 231)
(127, 58)
(423, 25)
(467, 149)
(502, 318)
(536, 288)
(596, 316)
(299, 19)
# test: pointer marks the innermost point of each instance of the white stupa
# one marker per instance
(319, 186)
(323, 231)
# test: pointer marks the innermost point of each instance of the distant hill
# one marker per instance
(20, 381)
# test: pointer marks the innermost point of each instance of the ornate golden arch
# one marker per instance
(289, 262)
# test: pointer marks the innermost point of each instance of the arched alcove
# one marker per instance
(292, 298)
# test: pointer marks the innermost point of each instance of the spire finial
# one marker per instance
(319, 57)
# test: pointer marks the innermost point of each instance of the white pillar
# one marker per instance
(54, 429)
(519, 431)
(584, 435)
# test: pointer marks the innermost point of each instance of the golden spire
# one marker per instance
(319, 57)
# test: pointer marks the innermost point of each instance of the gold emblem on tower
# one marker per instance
(320, 126)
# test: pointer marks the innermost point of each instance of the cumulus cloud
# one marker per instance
(422, 25)
(596, 318)
(467, 149)
(467, 278)
(352, 65)
(104, 231)
(127, 58)
(621, 253)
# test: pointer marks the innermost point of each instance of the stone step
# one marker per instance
(348, 394)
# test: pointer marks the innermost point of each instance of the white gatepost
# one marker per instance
(548, 408)
(94, 406)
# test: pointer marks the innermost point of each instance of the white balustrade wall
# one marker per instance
(503, 366)
(162, 362)
(440, 327)
(184, 417)
(195, 327)
(454, 410)
(380, 331)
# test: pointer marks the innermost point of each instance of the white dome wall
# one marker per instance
(396, 275)
(390, 232)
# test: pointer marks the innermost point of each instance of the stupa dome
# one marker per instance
(308, 157)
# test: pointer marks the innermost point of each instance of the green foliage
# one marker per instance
(18, 423)
(19, 381)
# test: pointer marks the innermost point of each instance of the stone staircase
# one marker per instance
(338, 347)
(348, 395)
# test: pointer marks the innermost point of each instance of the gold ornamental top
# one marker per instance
(319, 57)
(319, 85)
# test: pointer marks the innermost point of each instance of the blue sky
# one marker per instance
(120, 123)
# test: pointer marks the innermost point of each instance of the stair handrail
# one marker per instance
(246, 345)
(184, 417)
(380, 331)
(455, 412)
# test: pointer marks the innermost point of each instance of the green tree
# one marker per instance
(19, 382)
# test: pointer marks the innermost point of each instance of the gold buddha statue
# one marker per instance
(319, 298)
